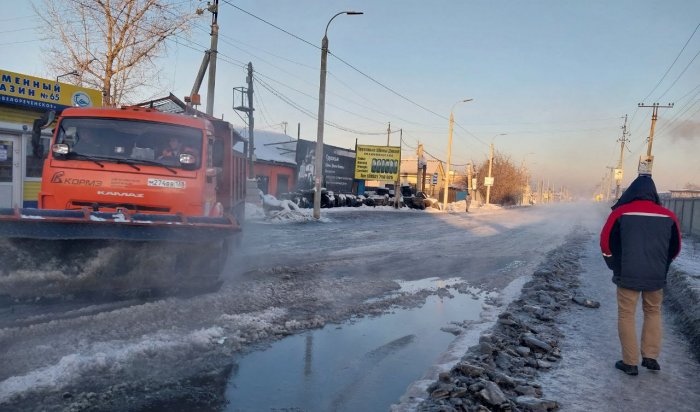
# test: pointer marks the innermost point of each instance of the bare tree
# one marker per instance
(112, 44)
(509, 180)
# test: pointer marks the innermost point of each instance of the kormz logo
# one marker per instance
(56, 178)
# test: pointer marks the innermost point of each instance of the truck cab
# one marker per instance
(134, 159)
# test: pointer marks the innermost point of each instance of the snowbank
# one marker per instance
(683, 293)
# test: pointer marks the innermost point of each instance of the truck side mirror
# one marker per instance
(41, 123)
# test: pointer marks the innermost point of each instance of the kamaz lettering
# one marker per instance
(119, 194)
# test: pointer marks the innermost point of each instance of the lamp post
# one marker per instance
(488, 188)
(449, 153)
(71, 73)
(318, 168)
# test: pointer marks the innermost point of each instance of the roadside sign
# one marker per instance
(377, 162)
(618, 174)
(488, 181)
(645, 165)
(474, 182)
(435, 178)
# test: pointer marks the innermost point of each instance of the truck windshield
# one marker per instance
(132, 140)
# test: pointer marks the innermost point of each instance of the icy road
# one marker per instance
(362, 287)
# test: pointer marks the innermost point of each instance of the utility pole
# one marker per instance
(488, 188)
(251, 121)
(646, 163)
(214, 9)
(419, 175)
(446, 189)
(388, 133)
(608, 192)
(469, 183)
(208, 61)
(618, 171)
(397, 186)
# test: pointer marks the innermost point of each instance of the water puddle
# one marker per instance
(365, 364)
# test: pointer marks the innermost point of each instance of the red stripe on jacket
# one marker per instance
(637, 206)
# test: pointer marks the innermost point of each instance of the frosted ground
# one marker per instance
(177, 353)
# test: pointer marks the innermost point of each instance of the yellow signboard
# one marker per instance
(22, 90)
(377, 162)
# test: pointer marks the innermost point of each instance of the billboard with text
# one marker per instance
(337, 167)
(377, 162)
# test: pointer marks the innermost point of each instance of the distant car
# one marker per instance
(380, 197)
(416, 201)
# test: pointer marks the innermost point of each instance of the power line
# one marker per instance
(372, 79)
(21, 42)
(315, 98)
(258, 102)
(17, 18)
(307, 112)
(674, 62)
(16, 30)
(271, 24)
(632, 118)
(680, 75)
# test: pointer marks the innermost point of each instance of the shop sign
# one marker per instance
(29, 91)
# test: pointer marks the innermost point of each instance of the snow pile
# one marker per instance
(689, 259)
(254, 320)
(292, 216)
(276, 211)
(106, 358)
(271, 202)
(253, 212)
(459, 207)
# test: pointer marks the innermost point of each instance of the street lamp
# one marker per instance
(72, 73)
(318, 172)
(449, 153)
(488, 188)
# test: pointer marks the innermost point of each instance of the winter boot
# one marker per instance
(628, 369)
(651, 364)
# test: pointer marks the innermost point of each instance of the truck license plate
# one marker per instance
(173, 184)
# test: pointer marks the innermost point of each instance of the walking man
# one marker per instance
(639, 241)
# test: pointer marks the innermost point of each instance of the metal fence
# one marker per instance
(688, 213)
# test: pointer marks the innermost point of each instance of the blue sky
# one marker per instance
(555, 76)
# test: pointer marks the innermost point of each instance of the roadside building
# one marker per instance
(275, 164)
(24, 99)
(409, 175)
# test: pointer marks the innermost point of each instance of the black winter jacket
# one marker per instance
(640, 238)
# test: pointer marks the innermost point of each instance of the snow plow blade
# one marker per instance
(68, 253)
(84, 224)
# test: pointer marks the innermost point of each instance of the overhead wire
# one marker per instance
(673, 63)
(679, 76)
(258, 102)
(372, 79)
(307, 112)
(634, 114)
(270, 24)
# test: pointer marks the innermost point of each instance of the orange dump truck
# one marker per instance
(131, 200)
